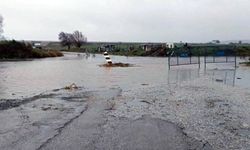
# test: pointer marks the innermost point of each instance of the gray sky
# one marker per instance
(128, 20)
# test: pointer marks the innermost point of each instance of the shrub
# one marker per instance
(13, 49)
(37, 53)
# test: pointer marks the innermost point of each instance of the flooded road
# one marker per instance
(27, 78)
(122, 108)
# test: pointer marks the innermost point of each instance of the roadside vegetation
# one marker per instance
(76, 39)
(77, 42)
(159, 50)
(20, 50)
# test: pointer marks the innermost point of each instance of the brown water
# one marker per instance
(28, 78)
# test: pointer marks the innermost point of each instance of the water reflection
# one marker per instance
(80, 55)
(177, 76)
(28, 78)
(224, 76)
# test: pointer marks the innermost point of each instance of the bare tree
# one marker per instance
(79, 39)
(1, 27)
(66, 39)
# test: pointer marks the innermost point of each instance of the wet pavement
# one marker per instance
(79, 119)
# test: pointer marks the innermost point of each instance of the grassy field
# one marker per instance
(135, 49)
(93, 46)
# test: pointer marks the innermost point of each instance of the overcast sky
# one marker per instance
(128, 20)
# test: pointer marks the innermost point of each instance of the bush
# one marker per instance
(37, 53)
(16, 50)
(243, 51)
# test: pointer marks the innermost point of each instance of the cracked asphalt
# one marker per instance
(80, 120)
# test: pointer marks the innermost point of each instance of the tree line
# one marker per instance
(69, 39)
(1, 28)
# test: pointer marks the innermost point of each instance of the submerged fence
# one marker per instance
(189, 57)
(220, 56)
(177, 58)
(224, 76)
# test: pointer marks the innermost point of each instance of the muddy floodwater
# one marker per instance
(144, 106)
(27, 78)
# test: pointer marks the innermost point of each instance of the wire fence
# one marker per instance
(224, 76)
(188, 57)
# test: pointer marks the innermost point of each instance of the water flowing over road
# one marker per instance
(146, 106)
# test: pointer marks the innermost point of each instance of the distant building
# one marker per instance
(107, 47)
(150, 46)
(37, 45)
(170, 45)
(216, 41)
(146, 47)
